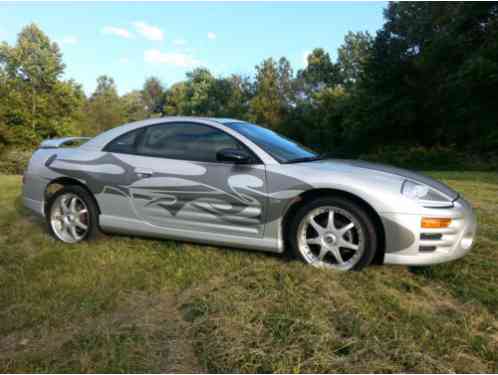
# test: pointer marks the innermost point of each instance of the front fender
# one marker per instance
(382, 191)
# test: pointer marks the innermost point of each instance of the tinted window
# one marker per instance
(125, 143)
(185, 141)
(282, 149)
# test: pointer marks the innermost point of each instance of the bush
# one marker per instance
(14, 161)
(432, 158)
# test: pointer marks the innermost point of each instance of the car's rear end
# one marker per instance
(37, 176)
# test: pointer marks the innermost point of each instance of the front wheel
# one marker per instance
(72, 215)
(333, 232)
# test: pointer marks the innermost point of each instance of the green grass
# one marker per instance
(140, 305)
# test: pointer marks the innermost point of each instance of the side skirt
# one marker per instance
(135, 227)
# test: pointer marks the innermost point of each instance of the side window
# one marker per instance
(185, 141)
(126, 143)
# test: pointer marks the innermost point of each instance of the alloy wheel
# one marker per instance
(331, 237)
(69, 218)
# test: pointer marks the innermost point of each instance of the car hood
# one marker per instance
(391, 170)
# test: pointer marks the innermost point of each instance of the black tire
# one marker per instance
(362, 217)
(90, 203)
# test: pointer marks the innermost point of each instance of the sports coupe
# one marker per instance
(231, 183)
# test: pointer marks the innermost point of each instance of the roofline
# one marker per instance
(152, 121)
(100, 141)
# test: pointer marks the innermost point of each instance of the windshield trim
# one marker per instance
(304, 160)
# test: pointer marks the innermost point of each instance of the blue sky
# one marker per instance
(132, 41)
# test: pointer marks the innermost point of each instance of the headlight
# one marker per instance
(424, 194)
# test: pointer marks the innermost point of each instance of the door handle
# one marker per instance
(144, 172)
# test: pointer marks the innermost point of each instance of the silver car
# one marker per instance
(231, 183)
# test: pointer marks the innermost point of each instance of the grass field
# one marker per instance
(139, 305)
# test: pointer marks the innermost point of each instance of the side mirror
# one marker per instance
(233, 155)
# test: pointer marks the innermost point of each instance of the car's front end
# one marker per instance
(424, 221)
(442, 224)
(437, 234)
(427, 223)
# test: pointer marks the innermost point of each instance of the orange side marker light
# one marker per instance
(433, 222)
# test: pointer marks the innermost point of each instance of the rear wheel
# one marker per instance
(72, 215)
(333, 232)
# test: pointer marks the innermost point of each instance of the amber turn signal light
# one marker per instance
(433, 222)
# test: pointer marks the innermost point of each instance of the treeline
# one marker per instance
(426, 81)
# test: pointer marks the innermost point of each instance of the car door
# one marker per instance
(178, 183)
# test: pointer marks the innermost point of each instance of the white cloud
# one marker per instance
(211, 35)
(69, 39)
(170, 58)
(148, 31)
(111, 30)
(124, 60)
(179, 42)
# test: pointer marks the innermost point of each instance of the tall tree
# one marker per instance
(39, 104)
(320, 72)
(104, 109)
(433, 73)
(7, 101)
(35, 62)
(175, 100)
(202, 94)
(273, 93)
(353, 55)
(200, 82)
(153, 96)
(134, 106)
(238, 91)
(192, 97)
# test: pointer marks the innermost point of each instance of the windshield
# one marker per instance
(282, 149)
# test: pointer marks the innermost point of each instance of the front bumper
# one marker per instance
(430, 246)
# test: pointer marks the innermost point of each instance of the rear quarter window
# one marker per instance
(125, 143)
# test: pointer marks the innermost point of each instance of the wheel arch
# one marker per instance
(58, 183)
(326, 192)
